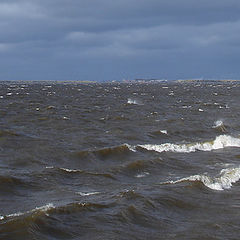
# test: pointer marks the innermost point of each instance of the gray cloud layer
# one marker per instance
(105, 39)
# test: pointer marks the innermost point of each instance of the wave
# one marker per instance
(37, 210)
(9, 180)
(220, 142)
(87, 193)
(27, 217)
(223, 181)
(106, 152)
(10, 184)
(159, 132)
(134, 101)
(106, 175)
(8, 133)
(137, 169)
(219, 125)
(141, 175)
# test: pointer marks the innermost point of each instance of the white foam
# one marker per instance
(44, 208)
(223, 181)
(133, 101)
(131, 148)
(164, 131)
(218, 123)
(87, 194)
(49, 167)
(141, 175)
(185, 106)
(66, 118)
(220, 142)
(70, 170)
(15, 214)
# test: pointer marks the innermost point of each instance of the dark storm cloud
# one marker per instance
(71, 39)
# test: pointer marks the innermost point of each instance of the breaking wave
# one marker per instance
(83, 194)
(220, 142)
(134, 101)
(32, 212)
(31, 215)
(219, 125)
(223, 181)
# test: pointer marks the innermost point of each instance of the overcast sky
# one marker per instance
(108, 40)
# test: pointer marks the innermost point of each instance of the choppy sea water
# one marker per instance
(119, 161)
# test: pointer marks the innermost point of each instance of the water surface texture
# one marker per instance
(119, 161)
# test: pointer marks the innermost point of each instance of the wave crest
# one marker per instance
(221, 182)
(33, 212)
(220, 142)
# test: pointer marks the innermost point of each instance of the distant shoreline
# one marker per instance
(140, 81)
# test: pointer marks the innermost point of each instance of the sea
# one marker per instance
(119, 161)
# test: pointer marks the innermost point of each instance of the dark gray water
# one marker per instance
(119, 161)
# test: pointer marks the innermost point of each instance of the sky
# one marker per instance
(104, 40)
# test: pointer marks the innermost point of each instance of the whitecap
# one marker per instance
(131, 148)
(164, 131)
(44, 209)
(141, 175)
(87, 193)
(220, 142)
(133, 101)
(221, 182)
(218, 123)
(184, 106)
(66, 118)
(70, 170)
(15, 214)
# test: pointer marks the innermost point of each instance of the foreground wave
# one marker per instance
(220, 142)
(221, 182)
(33, 212)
